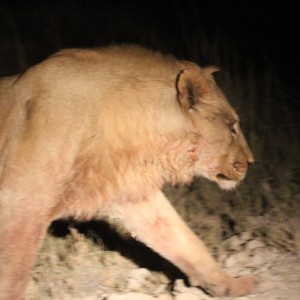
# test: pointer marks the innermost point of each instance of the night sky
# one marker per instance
(31, 30)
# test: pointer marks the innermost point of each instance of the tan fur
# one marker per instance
(90, 133)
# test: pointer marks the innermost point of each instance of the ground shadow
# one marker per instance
(104, 233)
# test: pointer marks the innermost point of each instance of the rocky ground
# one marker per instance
(107, 275)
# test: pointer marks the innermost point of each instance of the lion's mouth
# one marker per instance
(221, 176)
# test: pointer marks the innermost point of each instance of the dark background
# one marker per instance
(262, 32)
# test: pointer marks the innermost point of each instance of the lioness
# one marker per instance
(91, 133)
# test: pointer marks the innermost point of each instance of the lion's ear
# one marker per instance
(192, 85)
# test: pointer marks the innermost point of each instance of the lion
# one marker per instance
(90, 133)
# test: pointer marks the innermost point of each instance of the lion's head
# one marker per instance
(220, 149)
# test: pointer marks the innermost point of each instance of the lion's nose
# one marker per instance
(250, 158)
(250, 162)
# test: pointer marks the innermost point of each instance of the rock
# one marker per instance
(165, 297)
(235, 243)
(179, 286)
(141, 273)
(246, 236)
(256, 261)
(161, 289)
(264, 257)
(230, 261)
(130, 296)
(182, 292)
(237, 258)
(187, 296)
(255, 244)
(137, 279)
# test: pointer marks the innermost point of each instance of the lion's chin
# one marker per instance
(227, 184)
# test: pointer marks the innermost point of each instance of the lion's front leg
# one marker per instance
(156, 223)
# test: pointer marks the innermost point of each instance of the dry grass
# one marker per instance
(76, 267)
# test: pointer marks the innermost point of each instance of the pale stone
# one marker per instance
(137, 279)
(246, 236)
(179, 286)
(191, 296)
(236, 258)
(165, 297)
(230, 261)
(255, 244)
(235, 243)
(182, 292)
(130, 296)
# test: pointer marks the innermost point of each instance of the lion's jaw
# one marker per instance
(225, 170)
(224, 180)
(227, 180)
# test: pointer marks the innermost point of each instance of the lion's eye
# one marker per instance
(233, 128)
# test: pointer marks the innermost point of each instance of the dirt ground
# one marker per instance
(88, 275)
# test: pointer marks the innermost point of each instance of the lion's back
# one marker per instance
(105, 93)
